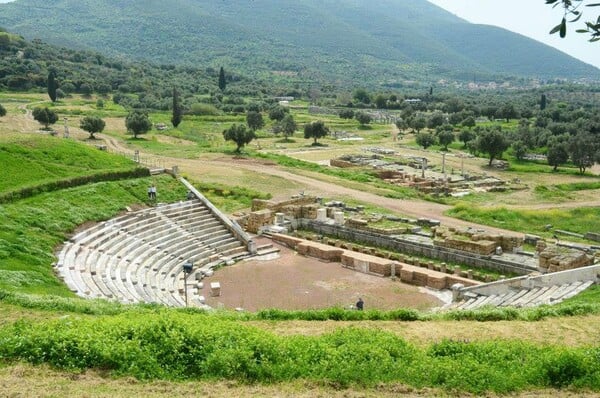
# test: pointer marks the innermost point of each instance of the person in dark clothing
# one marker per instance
(360, 304)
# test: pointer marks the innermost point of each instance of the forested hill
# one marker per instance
(24, 65)
(387, 42)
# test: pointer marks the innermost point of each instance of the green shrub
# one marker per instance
(173, 345)
(200, 109)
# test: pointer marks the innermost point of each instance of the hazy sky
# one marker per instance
(532, 18)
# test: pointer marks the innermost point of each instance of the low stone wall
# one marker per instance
(260, 204)
(370, 264)
(319, 250)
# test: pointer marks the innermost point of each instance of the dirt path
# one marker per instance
(412, 208)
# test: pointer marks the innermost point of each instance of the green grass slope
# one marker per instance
(33, 160)
(335, 40)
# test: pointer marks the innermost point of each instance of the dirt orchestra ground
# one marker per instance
(293, 281)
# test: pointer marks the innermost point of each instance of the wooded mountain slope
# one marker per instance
(387, 42)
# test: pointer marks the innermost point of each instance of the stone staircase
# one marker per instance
(139, 257)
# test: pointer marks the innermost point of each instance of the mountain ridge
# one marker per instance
(328, 40)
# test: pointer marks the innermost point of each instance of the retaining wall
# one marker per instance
(401, 245)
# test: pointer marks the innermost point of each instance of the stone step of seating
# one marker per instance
(174, 208)
(535, 299)
(97, 229)
(236, 253)
(503, 298)
(263, 250)
(560, 292)
(514, 298)
(123, 294)
(475, 303)
(103, 275)
(188, 214)
(481, 301)
(576, 289)
(97, 242)
(192, 216)
(87, 267)
(199, 224)
(525, 297)
(142, 230)
(545, 298)
(466, 303)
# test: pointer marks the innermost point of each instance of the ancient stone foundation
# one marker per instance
(554, 258)
(370, 264)
(474, 241)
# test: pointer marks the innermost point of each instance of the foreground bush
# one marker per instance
(179, 346)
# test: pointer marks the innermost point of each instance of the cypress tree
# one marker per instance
(177, 109)
(52, 85)
(543, 102)
(222, 82)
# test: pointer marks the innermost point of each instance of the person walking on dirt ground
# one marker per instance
(360, 304)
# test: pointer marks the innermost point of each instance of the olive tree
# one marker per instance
(45, 116)
(92, 125)
(239, 134)
(493, 142)
(137, 123)
(315, 130)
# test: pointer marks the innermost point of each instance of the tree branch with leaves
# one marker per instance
(574, 9)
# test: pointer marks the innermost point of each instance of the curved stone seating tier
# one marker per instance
(139, 256)
(525, 297)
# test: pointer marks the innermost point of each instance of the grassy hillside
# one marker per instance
(28, 161)
(332, 40)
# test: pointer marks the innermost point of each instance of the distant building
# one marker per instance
(284, 99)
